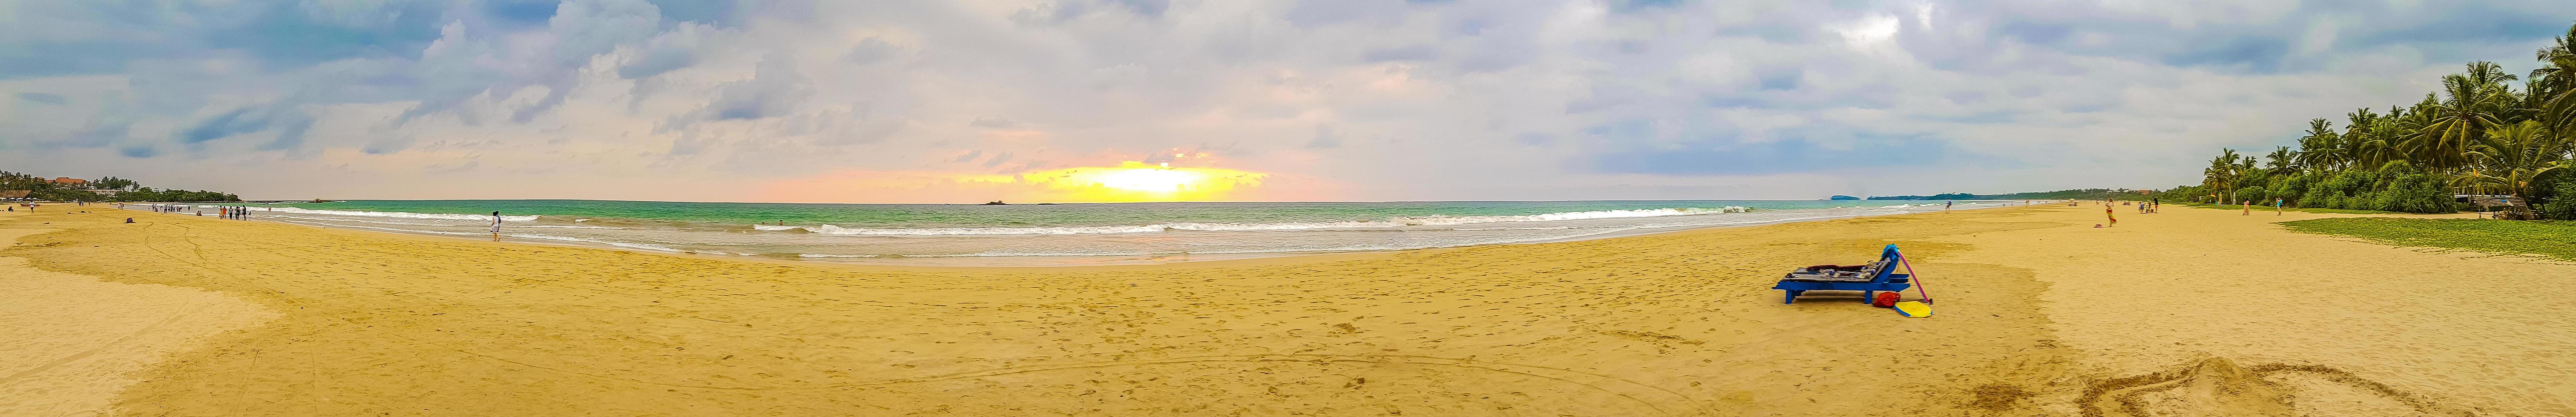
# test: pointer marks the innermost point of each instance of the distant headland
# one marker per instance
(17, 186)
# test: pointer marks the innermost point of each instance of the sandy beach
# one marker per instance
(2186, 312)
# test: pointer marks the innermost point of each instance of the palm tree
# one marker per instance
(2553, 77)
(2510, 158)
(2553, 85)
(2360, 145)
(2221, 174)
(2401, 123)
(2559, 108)
(2280, 162)
(2444, 142)
(113, 183)
(2318, 150)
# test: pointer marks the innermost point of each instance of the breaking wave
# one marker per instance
(397, 214)
(1398, 222)
(1576, 215)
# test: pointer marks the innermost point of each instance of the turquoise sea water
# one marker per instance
(1056, 233)
(1036, 215)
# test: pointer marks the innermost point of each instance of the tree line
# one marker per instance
(2076, 194)
(128, 190)
(2481, 134)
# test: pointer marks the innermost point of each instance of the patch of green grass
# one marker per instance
(2553, 239)
(2296, 209)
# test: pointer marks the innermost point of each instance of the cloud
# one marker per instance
(1338, 99)
(774, 90)
(139, 151)
(1324, 139)
(221, 126)
(995, 122)
(45, 98)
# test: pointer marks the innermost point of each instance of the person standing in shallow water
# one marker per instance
(496, 226)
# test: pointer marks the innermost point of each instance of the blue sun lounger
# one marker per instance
(1868, 279)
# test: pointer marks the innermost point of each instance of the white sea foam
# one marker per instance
(951, 231)
(641, 246)
(1577, 215)
(401, 214)
(1342, 248)
(604, 242)
(1281, 226)
(1396, 223)
(1395, 233)
(466, 223)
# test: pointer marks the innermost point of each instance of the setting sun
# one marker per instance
(1137, 181)
(1162, 179)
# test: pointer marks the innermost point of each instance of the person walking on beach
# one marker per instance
(1945, 205)
(2248, 205)
(2107, 214)
(496, 226)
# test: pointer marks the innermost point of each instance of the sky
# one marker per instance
(1236, 100)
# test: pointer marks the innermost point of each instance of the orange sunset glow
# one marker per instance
(1126, 182)
(1137, 181)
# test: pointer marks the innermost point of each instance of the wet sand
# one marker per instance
(2186, 312)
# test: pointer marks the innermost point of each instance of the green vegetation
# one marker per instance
(2480, 134)
(2554, 239)
(2296, 209)
(2082, 194)
(125, 190)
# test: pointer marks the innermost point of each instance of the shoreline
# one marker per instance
(1041, 261)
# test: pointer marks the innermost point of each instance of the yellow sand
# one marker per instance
(69, 342)
(2189, 312)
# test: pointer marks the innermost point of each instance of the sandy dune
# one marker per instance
(2190, 312)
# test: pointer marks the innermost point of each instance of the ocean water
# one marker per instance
(1056, 233)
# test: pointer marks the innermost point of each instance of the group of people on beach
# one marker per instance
(224, 212)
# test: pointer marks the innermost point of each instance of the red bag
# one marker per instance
(1885, 299)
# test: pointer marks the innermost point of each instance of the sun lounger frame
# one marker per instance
(1882, 277)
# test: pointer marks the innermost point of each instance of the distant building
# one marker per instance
(69, 182)
(14, 194)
